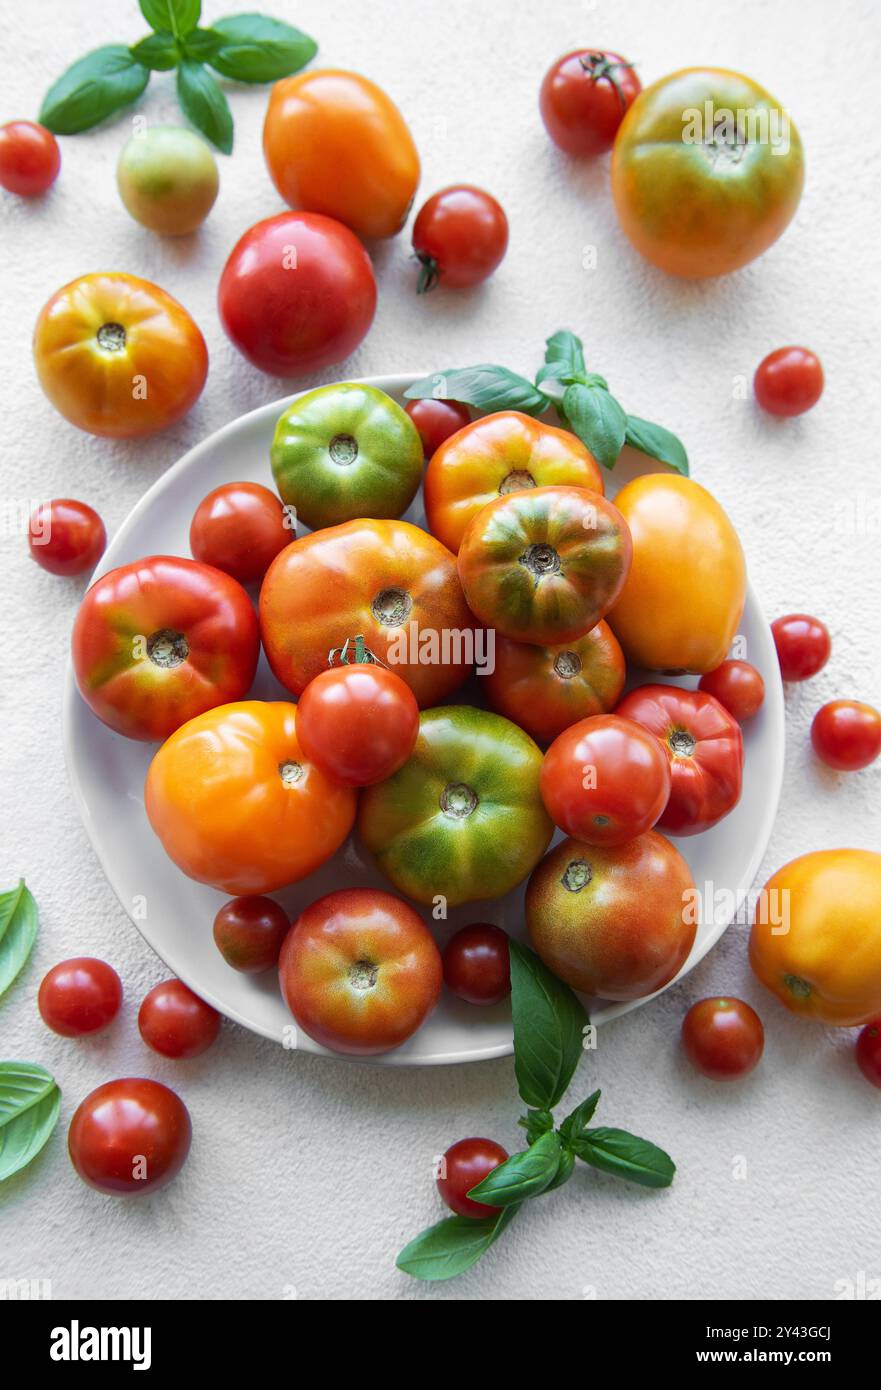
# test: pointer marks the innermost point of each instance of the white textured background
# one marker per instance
(311, 1173)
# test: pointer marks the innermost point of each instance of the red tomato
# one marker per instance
(359, 971)
(249, 932)
(788, 381)
(846, 734)
(358, 723)
(29, 158)
(462, 1167)
(437, 421)
(546, 689)
(723, 1038)
(66, 537)
(129, 1136)
(868, 1052)
(605, 780)
(240, 528)
(297, 293)
(584, 97)
(803, 645)
(79, 996)
(176, 1022)
(704, 746)
(736, 685)
(460, 236)
(477, 964)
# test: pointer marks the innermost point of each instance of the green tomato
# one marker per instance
(168, 179)
(463, 818)
(344, 452)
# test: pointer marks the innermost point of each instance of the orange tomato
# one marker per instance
(545, 689)
(336, 144)
(118, 356)
(506, 452)
(237, 805)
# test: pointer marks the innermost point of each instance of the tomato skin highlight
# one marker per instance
(248, 933)
(477, 964)
(79, 996)
(803, 645)
(29, 158)
(605, 780)
(737, 686)
(788, 381)
(358, 723)
(129, 1137)
(584, 97)
(436, 421)
(175, 1022)
(723, 1038)
(240, 528)
(846, 734)
(465, 1164)
(66, 537)
(460, 235)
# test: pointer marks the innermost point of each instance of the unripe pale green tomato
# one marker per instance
(168, 179)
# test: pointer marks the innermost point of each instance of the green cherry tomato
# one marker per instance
(168, 180)
(463, 818)
(344, 452)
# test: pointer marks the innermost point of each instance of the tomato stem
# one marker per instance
(353, 652)
(429, 273)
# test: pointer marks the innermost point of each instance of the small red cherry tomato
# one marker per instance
(460, 236)
(176, 1022)
(846, 734)
(477, 964)
(803, 645)
(240, 528)
(129, 1136)
(358, 723)
(738, 686)
(723, 1038)
(868, 1052)
(29, 158)
(605, 780)
(79, 996)
(584, 98)
(462, 1167)
(788, 381)
(437, 421)
(66, 537)
(249, 932)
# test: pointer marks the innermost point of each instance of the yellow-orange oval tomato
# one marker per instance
(118, 356)
(816, 936)
(707, 171)
(237, 805)
(685, 592)
(336, 144)
(506, 452)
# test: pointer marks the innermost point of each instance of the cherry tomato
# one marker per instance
(460, 236)
(868, 1052)
(803, 645)
(358, 723)
(79, 996)
(297, 293)
(463, 1166)
(176, 1022)
(477, 964)
(788, 381)
(738, 686)
(584, 97)
(29, 158)
(129, 1136)
(249, 932)
(240, 528)
(605, 780)
(723, 1038)
(437, 421)
(66, 537)
(846, 734)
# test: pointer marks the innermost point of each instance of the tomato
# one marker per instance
(737, 686)
(297, 293)
(240, 528)
(176, 1022)
(477, 964)
(359, 971)
(684, 596)
(237, 805)
(392, 584)
(344, 452)
(544, 565)
(79, 996)
(497, 455)
(546, 689)
(167, 179)
(358, 723)
(612, 920)
(463, 817)
(158, 641)
(436, 420)
(584, 97)
(816, 936)
(605, 780)
(249, 932)
(66, 537)
(129, 1137)
(460, 236)
(463, 1166)
(29, 158)
(707, 172)
(336, 143)
(118, 356)
(788, 381)
(868, 1052)
(846, 734)
(803, 645)
(723, 1038)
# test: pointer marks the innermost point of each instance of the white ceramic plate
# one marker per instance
(175, 915)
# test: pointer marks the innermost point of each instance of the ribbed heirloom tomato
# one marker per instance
(545, 689)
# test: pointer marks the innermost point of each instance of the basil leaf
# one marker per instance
(201, 45)
(548, 1029)
(486, 386)
(180, 16)
(536, 1123)
(18, 932)
(564, 1172)
(523, 1175)
(566, 349)
(22, 1084)
(157, 51)
(657, 442)
(99, 84)
(625, 1156)
(598, 420)
(581, 1116)
(255, 48)
(452, 1246)
(29, 1105)
(204, 104)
